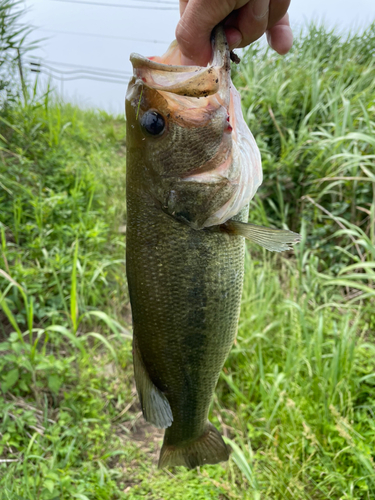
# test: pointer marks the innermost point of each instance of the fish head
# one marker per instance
(185, 124)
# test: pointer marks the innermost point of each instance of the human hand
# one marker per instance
(245, 22)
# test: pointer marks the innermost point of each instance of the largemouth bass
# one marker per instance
(192, 168)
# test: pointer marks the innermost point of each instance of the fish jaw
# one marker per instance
(206, 166)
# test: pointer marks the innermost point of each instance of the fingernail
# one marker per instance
(260, 8)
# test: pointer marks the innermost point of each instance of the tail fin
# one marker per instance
(209, 448)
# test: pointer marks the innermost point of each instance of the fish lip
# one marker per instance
(139, 61)
(220, 57)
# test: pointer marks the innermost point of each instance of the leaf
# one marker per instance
(4, 346)
(54, 383)
(116, 452)
(350, 284)
(73, 292)
(43, 365)
(10, 317)
(242, 463)
(49, 484)
(76, 341)
(111, 323)
(10, 379)
(23, 386)
(104, 341)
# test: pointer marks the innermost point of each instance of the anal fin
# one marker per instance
(155, 406)
(209, 448)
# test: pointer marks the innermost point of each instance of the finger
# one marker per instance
(278, 9)
(196, 24)
(255, 18)
(250, 21)
(234, 38)
(280, 36)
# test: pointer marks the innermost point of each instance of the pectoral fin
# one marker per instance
(275, 240)
(155, 406)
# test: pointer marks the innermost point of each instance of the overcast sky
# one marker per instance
(102, 38)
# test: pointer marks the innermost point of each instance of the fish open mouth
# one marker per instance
(167, 74)
(194, 93)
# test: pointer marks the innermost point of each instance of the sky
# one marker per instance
(82, 39)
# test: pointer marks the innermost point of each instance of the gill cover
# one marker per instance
(203, 166)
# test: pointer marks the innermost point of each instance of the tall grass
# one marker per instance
(296, 398)
(312, 115)
(12, 47)
(54, 184)
(62, 284)
(300, 387)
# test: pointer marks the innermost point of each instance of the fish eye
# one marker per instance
(153, 123)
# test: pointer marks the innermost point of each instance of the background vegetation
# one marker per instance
(296, 399)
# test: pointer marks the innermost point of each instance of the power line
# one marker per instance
(86, 77)
(79, 66)
(35, 67)
(97, 35)
(83, 77)
(78, 72)
(121, 5)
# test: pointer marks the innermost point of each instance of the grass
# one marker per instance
(296, 398)
(311, 113)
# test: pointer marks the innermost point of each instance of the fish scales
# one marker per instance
(185, 288)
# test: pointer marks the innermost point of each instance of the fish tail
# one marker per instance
(209, 448)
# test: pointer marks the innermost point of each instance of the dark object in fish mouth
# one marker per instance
(234, 57)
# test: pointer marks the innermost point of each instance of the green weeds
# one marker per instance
(296, 398)
(53, 192)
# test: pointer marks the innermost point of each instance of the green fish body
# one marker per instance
(192, 168)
